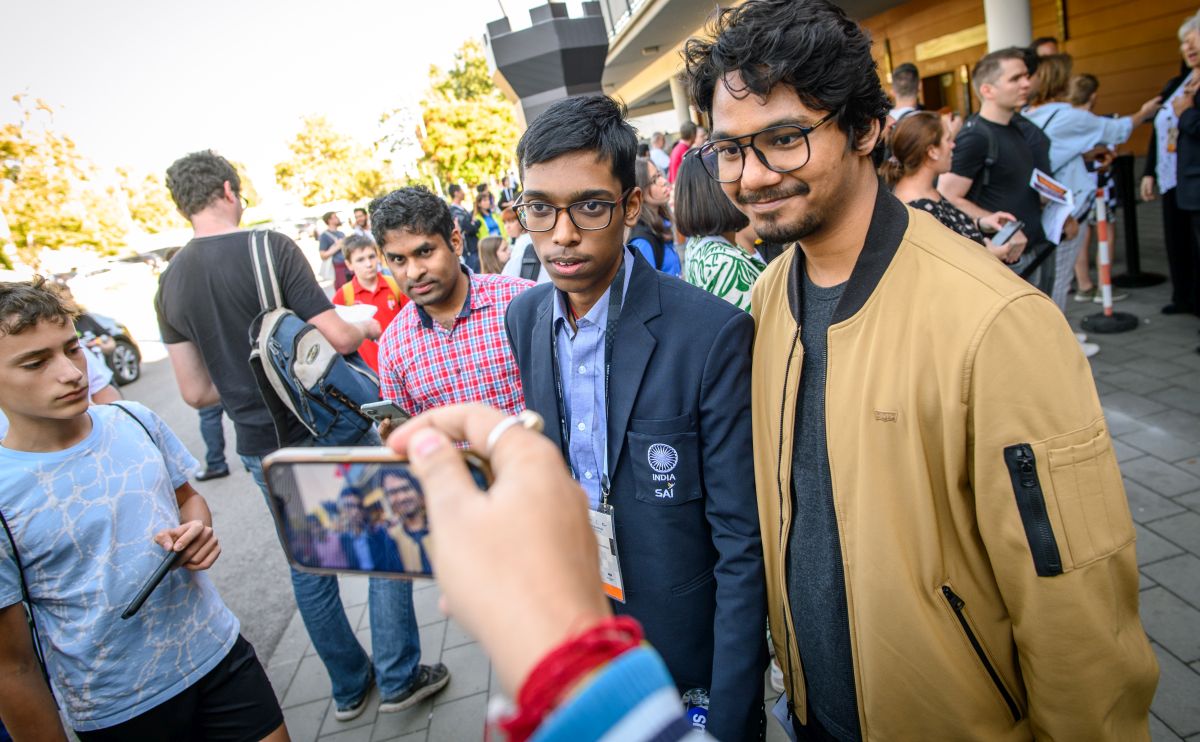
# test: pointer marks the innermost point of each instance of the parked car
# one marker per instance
(121, 352)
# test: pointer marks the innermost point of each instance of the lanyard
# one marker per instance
(610, 330)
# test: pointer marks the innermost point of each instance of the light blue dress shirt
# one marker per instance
(1073, 131)
(581, 368)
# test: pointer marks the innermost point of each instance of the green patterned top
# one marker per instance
(721, 268)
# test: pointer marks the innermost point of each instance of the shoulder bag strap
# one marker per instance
(27, 603)
(265, 278)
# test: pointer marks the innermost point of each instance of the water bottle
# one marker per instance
(696, 702)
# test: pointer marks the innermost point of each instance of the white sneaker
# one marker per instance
(1081, 337)
(1099, 298)
(776, 676)
(1089, 349)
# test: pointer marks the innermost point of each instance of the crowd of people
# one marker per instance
(778, 416)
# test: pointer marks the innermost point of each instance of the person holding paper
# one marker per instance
(1074, 134)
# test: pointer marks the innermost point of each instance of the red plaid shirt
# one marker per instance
(422, 365)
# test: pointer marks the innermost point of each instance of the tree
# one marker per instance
(149, 202)
(469, 78)
(470, 134)
(327, 165)
(56, 197)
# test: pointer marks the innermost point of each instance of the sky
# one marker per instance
(138, 83)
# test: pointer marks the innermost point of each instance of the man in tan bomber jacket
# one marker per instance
(949, 551)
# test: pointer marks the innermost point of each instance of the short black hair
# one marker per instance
(481, 188)
(198, 179)
(359, 210)
(589, 123)
(810, 45)
(413, 209)
(643, 149)
(905, 79)
(687, 131)
(454, 190)
(701, 207)
(1044, 40)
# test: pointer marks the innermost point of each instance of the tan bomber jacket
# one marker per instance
(987, 544)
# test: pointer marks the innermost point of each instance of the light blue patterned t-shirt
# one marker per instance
(83, 519)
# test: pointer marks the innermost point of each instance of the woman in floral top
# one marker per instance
(713, 260)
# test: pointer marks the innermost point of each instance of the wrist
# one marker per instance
(571, 662)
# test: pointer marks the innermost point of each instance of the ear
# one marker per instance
(456, 242)
(867, 142)
(633, 206)
(229, 192)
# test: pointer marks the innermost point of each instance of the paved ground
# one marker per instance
(1146, 379)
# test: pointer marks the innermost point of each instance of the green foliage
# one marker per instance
(249, 192)
(149, 202)
(55, 198)
(327, 165)
(469, 78)
(470, 133)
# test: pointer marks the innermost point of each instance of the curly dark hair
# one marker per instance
(413, 209)
(198, 179)
(809, 45)
(24, 304)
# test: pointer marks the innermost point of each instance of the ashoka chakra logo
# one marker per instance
(662, 458)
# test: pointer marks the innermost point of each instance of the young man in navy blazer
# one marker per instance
(647, 392)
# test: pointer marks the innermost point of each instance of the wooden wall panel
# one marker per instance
(1131, 46)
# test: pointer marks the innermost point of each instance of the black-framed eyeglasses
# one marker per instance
(590, 215)
(245, 201)
(782, 149)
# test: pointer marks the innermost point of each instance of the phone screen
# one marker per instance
(352, 517)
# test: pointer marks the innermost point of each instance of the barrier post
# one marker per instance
(1106, 321)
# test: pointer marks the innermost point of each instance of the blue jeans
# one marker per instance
(395, 641)
(214, 437)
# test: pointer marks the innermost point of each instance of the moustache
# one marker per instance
(746, 198)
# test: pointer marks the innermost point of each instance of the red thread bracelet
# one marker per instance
(558, 671)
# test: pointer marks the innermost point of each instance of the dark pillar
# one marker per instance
(557, 57)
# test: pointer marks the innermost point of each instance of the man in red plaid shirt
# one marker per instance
(448, 345)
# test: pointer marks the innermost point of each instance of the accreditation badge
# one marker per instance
(606, 538)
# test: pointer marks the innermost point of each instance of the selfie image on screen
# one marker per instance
(352, 517)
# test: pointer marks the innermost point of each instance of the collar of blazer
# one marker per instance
(632, 347)
(889, 222)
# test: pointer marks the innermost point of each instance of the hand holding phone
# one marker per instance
(195, 542)
(1007, 231)
(517, 563)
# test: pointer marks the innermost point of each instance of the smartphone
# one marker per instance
(1006, 232)
(169, 560)
(381, 411)
(353, 510)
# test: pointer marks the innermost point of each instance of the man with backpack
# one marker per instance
(995, 154)
(207, 303)
(369, 286)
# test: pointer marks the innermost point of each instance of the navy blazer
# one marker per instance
(691, 555)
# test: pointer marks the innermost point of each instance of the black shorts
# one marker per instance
(234, 702)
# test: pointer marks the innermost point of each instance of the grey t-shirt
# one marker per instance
(816, 583)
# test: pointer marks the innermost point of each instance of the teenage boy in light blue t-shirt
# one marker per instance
(92, 496)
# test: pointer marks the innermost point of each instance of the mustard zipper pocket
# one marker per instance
(958, 605)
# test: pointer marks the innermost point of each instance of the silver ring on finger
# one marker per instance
(527, 419)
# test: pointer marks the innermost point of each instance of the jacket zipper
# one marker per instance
(1031, 504)
(787, 626)
(957, 605)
